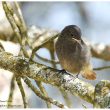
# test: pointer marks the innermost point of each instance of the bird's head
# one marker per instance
(71, 31)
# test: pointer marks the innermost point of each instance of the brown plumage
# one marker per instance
(73, 53)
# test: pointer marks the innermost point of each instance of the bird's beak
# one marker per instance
(78, 41)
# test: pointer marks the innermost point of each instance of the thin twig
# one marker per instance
(20, 16)
(101, 68)
(84, 106)
(66, 98)
(12, 87)
(38, 93)
(57, 62)
(51, 49)
(22, 25)
(41, 45)
(47, 60)
(14, 24)
(39, 35)
(11, 21)
(22, 91)
(42, 89)
(1, 47)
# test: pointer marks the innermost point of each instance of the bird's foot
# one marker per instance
(28, 62)
(77, 75)
(64, 71)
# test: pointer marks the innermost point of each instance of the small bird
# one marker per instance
(73, 54)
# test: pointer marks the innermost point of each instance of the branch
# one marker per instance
(42, 89)
(12, 87)
(20, 16)
(41, 45)
(66, 98)
(47, 60)
(101, 51)
(18, 80)
(15, 24)
(97, 50)
(102, 94)
(101, 68)
(20, 67)
(22, 25)
(28, 82)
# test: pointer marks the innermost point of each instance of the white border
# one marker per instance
(60, 0)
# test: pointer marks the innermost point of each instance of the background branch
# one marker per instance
(18, 80)
(28, 82)
(42, 89)
(12, 87)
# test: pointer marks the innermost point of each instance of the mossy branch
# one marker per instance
(18, 80)
(42, 89)
(37, 92)
(39, 72)
(12, 87)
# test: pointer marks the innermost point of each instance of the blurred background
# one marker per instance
(92, 17)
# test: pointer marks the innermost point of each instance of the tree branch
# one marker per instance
(102, 94)
(39, 72)
(12, 87)
(28, 82)
(18, 80)
(99, 50)
(42, 89)
(41, 45)
(15, 24)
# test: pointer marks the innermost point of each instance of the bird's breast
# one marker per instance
(71, 57)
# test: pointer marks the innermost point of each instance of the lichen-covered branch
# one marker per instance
(12, 87)
(66, 98)
(39, 72)
(37, 92)
(13, 20)
(18, 23)
(21, 25)
(18, 80)
(42, 89)
(20, 16)
(102, 94)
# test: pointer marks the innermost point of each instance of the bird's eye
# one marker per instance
(72, 35)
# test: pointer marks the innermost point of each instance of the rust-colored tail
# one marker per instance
(91, 75)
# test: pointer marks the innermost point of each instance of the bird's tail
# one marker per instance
(88, 73)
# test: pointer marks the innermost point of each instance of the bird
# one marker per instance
(73, 53)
